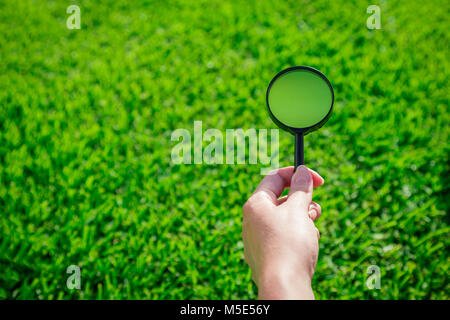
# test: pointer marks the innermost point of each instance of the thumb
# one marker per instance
(301, 190)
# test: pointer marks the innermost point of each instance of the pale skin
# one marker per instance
(281, 242)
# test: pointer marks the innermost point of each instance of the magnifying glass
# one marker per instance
(300, 100)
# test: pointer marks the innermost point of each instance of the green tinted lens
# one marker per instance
(300, 98)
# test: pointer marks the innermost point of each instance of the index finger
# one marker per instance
(273, 185)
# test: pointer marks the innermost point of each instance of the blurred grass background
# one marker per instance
(85, 124)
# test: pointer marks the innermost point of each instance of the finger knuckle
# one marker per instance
(251, 204)
(248, 206)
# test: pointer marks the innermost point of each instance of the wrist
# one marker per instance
(280, 282)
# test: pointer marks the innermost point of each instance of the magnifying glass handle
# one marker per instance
(298, 156)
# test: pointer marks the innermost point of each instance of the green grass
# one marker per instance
(85, 123)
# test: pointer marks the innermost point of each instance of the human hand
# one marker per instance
(280, 239)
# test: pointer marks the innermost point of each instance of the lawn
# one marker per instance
(86, 176)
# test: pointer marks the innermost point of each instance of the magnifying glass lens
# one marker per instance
(300, 98)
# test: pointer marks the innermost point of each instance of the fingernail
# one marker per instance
(302, 175)
(312, 214)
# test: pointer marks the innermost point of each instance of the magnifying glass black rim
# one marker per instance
(306, 130)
